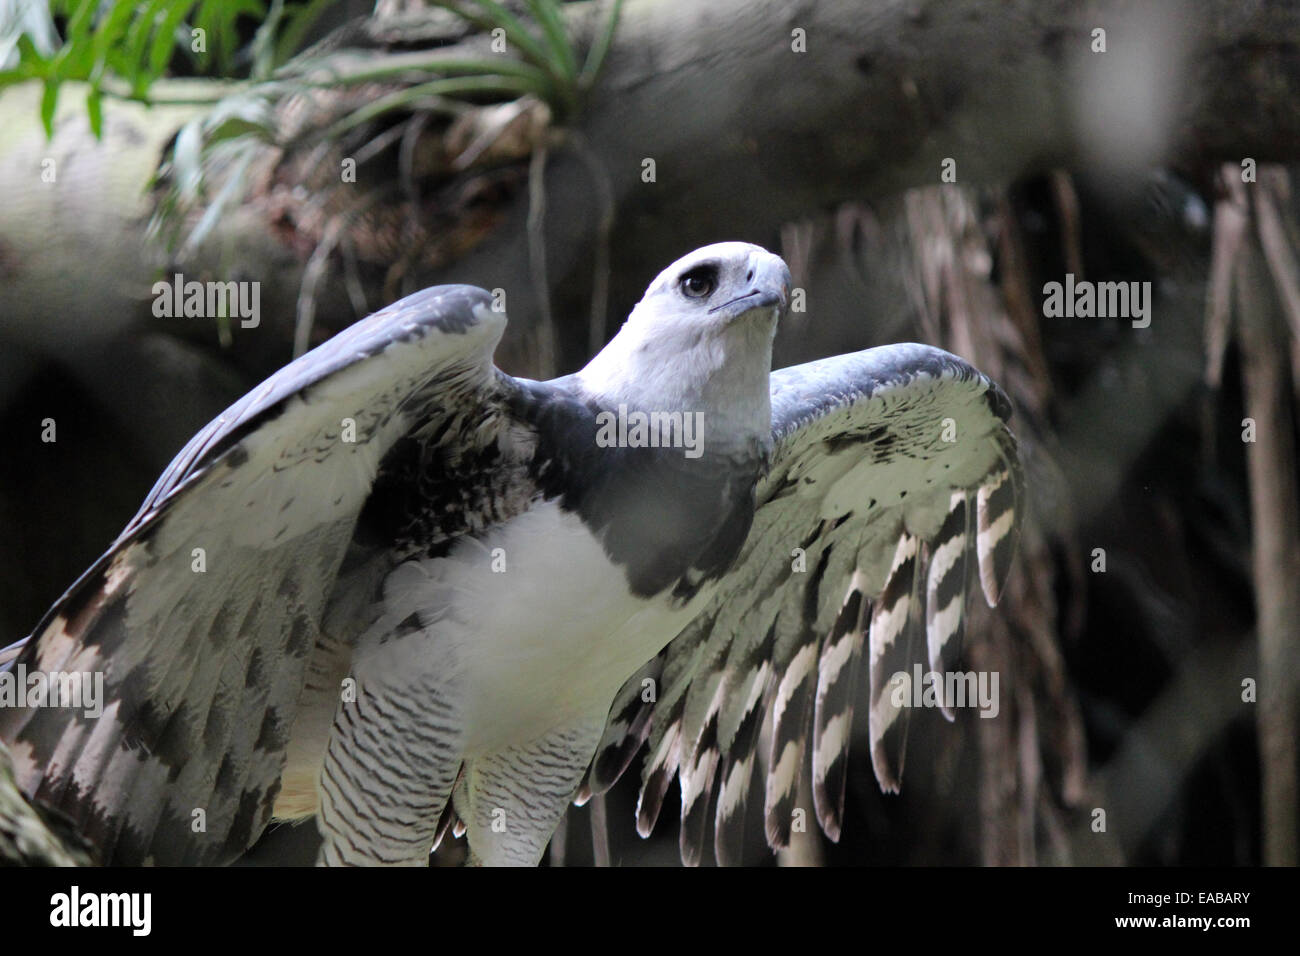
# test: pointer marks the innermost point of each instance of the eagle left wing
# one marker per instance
(197, 633)
(888, 467)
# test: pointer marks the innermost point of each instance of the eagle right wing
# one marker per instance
(888, 467)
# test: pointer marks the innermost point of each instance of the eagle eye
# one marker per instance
(700, 282)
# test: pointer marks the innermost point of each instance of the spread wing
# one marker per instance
(201, 617)
(889, 467)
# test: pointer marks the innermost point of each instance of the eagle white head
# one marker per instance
(700, 340)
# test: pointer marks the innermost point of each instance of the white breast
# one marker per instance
(540, 623)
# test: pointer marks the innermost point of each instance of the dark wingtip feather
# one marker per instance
(733, 790)
(659, 774)
(837, 688)
(627, 729)
(696, 779)
(891, 635)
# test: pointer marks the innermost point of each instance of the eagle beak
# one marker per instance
(769, 286)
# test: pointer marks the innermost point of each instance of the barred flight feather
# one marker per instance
(999, 505)
(890, 642)
(790, 713)
(945, 592)
(733, 793)
(696, 779)
(837, 689)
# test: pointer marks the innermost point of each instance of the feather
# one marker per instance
(945, 591)
(890, 667)
(790, 713)
(733, 792)
(997, 529)
(660, 770)
(696, 779)
(626, 730)
(837, 688)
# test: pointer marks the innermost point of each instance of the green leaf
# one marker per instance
(95, 110)
(49, 100)
(229, 41)
(206, 20)
(395, 68)
(596, 55)
(72, 59)
(137, 40)
(107, 35)
(10, 79)
(428, 94)
(164, 41)
(494, 15)
(548, 15)
(262, 47)
(300, 22)
(79, 22)
(29, 59)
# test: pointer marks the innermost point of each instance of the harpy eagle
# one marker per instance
(432, 593)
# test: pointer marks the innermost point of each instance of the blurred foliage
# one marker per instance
(122, 48)
(253, 53)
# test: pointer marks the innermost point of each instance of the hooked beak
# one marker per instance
(769, 286)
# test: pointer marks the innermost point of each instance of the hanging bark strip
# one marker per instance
(1275, 521)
